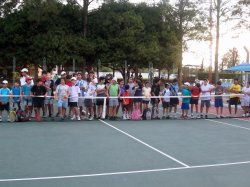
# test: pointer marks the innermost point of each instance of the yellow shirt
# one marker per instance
(235, 87)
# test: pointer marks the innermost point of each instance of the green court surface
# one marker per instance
(212, 152)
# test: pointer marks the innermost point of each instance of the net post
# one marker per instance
(104, 108)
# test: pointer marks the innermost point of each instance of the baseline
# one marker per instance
(228, 124)
(124, 173)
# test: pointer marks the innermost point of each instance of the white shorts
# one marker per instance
(245, 101)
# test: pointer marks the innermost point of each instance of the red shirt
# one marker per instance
(69, 83)
(126, 101)
(195, 92)
(43, 79)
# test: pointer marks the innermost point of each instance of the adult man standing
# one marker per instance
(235, 88)
(83, 86)
(206, 90)
(24, 73)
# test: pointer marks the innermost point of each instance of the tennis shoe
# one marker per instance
(73, 118)
(78, 118)
(124, 117)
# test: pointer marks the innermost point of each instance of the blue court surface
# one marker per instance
(176, 153)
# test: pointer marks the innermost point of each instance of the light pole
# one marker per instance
(98, 67)
(126, 71)
(14, 69)
(211, 41)
(151, 74)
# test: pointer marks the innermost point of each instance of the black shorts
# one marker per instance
(155, 101)
(194, 101)
(38, 102)
(174, 101)
(5, 106)
(100, 102)
(137, 100)
(73, 104)
(165, 104)
(234, 101)
(145, 102)
(88, 103)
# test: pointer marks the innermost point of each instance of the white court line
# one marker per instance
(228, 124)
(123, 173)
(140, 141)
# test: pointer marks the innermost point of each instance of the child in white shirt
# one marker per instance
(73, 101)
(166, 101)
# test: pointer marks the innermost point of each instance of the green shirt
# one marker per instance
(113, 90)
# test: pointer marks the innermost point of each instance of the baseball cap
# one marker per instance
(63, 73)
(24, 70)
(5, 82)
(187, 84)
(28, 79)
(73, 78)
(114, 79)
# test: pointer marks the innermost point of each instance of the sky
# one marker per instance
(197, 51)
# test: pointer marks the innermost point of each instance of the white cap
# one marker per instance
(187, 84)
(95, 81)
(24, 70)
(5, 82)
(73, 78)
(114, 79)
(63, 72)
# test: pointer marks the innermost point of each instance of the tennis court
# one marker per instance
(193, 153)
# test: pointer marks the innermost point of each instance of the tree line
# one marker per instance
(117, 31)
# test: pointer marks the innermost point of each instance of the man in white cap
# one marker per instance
(24, 73)
(113, 91)
(63, 75)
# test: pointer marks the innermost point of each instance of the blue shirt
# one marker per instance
(16, 91)
(26, 89)
(138, 91)
(82, 83)
(186, 92)
(174, 89)
(5, 91)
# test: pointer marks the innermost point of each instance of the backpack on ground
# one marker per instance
(146, 115)
(136, 114)
(12, 116)
(22, 116)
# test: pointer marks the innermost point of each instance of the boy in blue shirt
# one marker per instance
(186, 100)
(27, 100)
(16, 92)
(5, 97)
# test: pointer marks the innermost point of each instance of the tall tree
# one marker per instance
(188, 23)
(230, 58)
